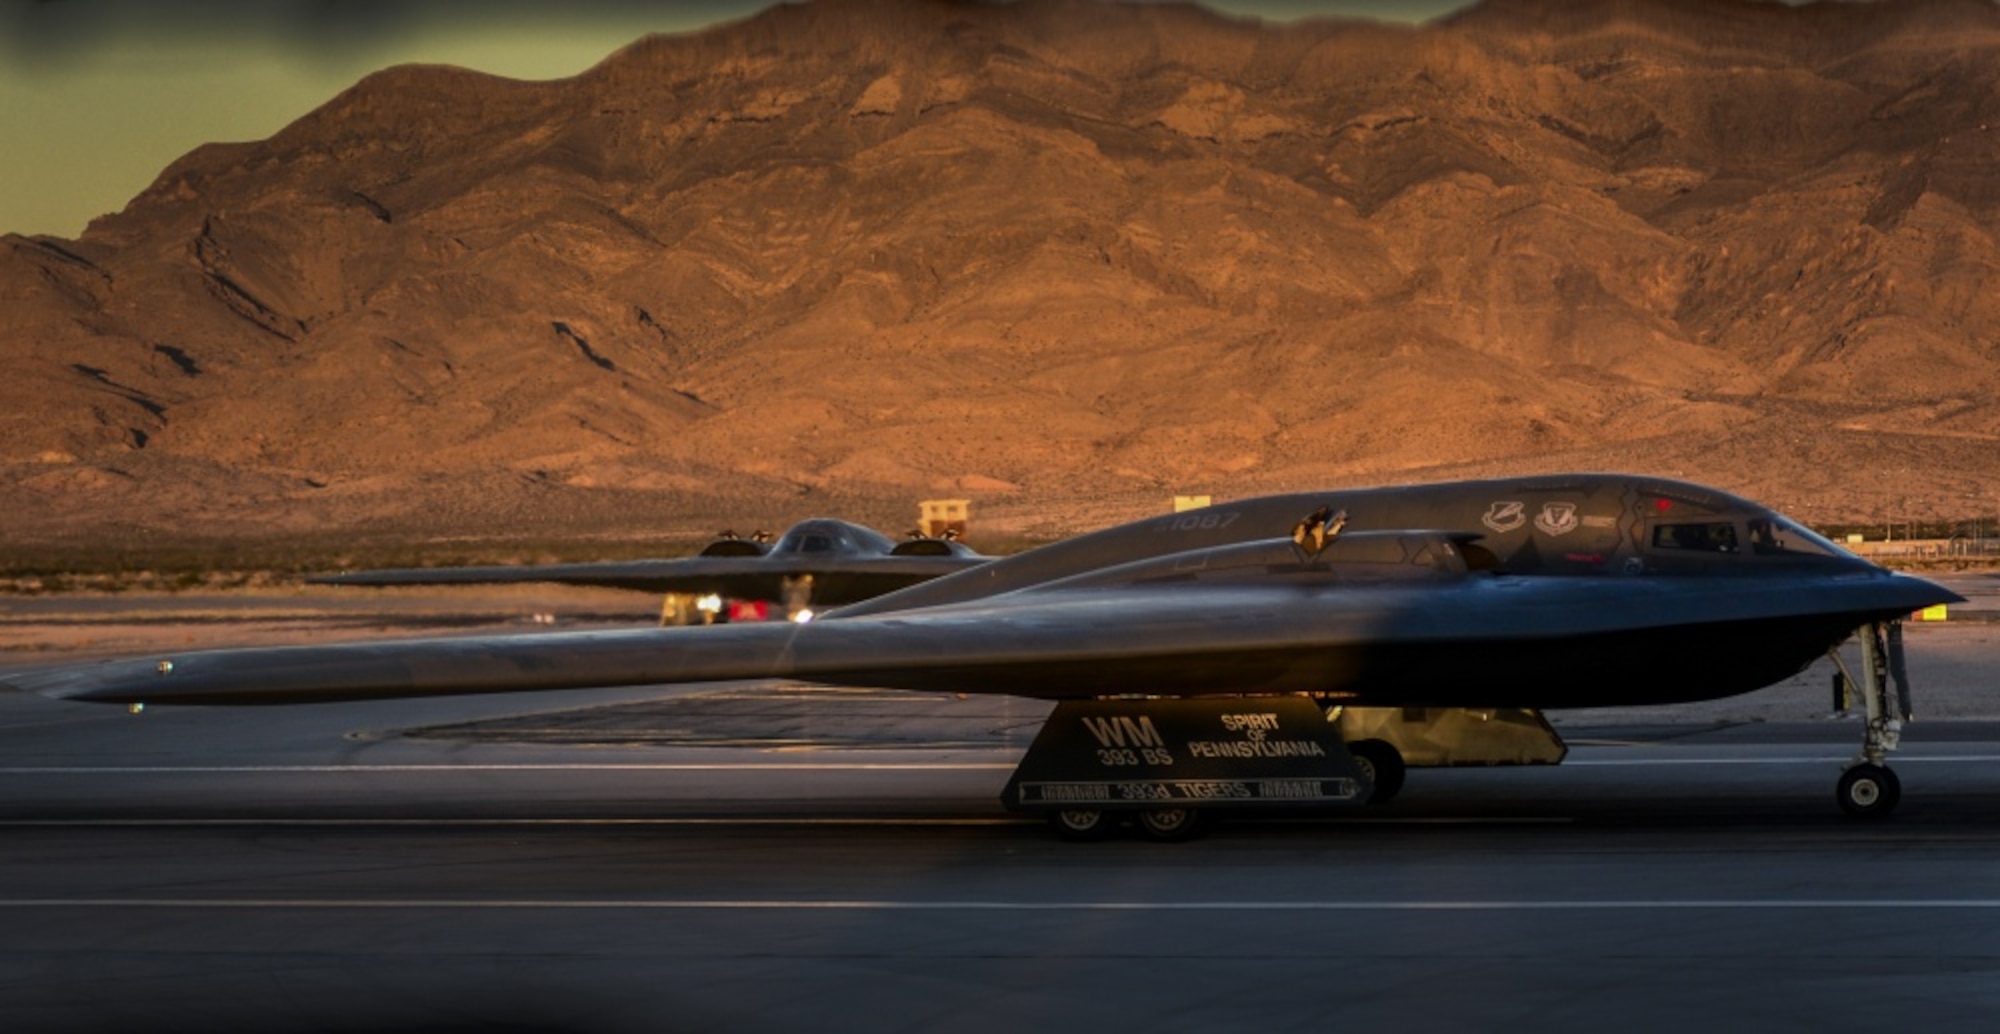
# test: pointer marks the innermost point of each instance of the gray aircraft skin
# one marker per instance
(1568, 591)
(821, 561)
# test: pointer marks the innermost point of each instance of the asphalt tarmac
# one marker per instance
(439, 865)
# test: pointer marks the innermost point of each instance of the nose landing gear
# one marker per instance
(1868, 789)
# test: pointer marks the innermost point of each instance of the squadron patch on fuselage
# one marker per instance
(1557, 518)
(1505, 517)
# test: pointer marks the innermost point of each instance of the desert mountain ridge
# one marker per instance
(1063, 257)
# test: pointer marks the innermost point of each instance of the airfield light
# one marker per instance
(709, 604)
(803, 616)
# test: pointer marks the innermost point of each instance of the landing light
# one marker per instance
(803, 616)
(709, 604)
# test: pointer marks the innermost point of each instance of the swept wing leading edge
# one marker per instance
(738, 577)
(1403, 641)
(841, 562)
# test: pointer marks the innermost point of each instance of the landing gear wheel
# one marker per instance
(1081, 823)
(1868, 791)
(1170, 825)
(1383, 765)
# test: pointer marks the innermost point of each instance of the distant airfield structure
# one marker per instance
(943, 518)
(1905, 549)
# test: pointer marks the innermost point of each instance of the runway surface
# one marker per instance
(307, 869)
(424, 866)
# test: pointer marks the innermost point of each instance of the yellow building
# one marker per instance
(942, 516)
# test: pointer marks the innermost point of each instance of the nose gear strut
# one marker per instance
(1869, 789)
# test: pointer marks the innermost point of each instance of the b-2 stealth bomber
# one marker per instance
(816, 563)
(1293, 649)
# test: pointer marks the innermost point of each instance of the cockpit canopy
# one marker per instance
(1764, 535)
(824, 535)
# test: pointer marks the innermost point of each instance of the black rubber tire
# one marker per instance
(1868, 791)
(1172, 825)
(1082, 824)
(1383, 765)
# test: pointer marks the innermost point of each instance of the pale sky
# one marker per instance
(97, 96)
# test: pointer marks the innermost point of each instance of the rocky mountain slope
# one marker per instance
(1063, 257)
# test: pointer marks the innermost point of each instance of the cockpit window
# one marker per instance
(1776, 536)
(1768, 536)
(1705, 537)
(807, 539)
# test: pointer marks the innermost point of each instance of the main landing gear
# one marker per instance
(1383, 766)
(1082, 824)
(1165, 825)
(1868, 789)
(1165, 769)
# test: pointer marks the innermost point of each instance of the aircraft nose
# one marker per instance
(1922, 593)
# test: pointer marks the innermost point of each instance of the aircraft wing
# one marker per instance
(1495, 641)
(837, 579)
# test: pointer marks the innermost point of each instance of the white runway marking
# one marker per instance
(666, 822)
(774, 766)
(866, 905)
(476, 823)
(1830, 759)
(854, 766)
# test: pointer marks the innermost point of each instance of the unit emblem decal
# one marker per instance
(1505, 517)
(1557, 518)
